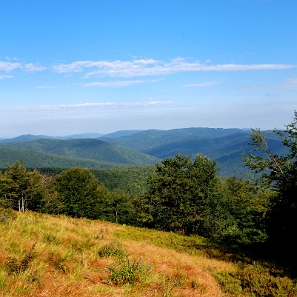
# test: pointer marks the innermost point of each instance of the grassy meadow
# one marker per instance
(45, 255)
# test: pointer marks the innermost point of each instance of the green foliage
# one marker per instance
(279, 172)
(131, 180)
(14, 266)
(255, 280)
(114, 248)
(97, 151)
(130, 272)
(22, 189)
(183, 197)
(77, 190)
(247, 206)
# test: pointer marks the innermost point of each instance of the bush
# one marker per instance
(113, 248)
(130, 272)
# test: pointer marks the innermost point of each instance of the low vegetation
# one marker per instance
(247, 228)
(46, 255)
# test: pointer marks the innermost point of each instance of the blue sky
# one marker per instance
(77, 66)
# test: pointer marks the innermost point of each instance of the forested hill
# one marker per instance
(35, 159)
(91, 149)
(225, 146)
(141, 148)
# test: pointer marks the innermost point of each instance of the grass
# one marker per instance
(43, 255)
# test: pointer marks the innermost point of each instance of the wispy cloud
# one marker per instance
(135, 68)
(289, 84)
(5, 76)
(32, 68)
(8, 66)
(203, 84)
(46, 87)
(28, 67)
(118, 84)
(87, 106)
(149, 67)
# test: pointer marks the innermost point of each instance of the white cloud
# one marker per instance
(148, 67)
(204, 84)
(118, 84)
(28, 67)
(32, 68)
(5, 76)
(8, 66)
(94, 106)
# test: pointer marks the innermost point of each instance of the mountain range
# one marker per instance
(130, 148)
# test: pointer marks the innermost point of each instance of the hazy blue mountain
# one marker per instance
(141, 148)
(23, 138)
(93, 149)
(120, 133)
(35, 159)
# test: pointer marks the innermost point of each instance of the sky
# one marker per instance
(99, 66)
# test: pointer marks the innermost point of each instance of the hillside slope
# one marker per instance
(34, 159)
(44, 255)
(225, 146)
(62, 256)
(92, 149)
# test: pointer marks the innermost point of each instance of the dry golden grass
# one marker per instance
(66, 261)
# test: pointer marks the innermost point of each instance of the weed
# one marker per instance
(170, 283)
(48, 238)
(58, 262)
(13, 266)
(255, 280)
(128, 272)
(114, 248)
(2, 281)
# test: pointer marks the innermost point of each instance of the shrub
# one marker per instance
(128, 272)
(113, 248)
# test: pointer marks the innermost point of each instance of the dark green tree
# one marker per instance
(77, 191)
(21, 189)
(279, 172)
(183, 197)
(247, 205)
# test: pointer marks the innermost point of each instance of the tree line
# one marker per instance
(183, 195)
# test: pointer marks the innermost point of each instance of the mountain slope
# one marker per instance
(34, 159)
(93, 149)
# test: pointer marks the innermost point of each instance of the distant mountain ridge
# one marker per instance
(142, 148)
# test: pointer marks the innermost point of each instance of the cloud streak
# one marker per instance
(204, 84)
(136, 68)
(28, 67)
(87, 106)
(118, 84)
(150, 67)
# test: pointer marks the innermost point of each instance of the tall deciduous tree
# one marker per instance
(279, 172)
(183, 196)
(22, 189)
(77, 190)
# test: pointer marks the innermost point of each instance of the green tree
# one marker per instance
(279, 172)
(183, 196)
(247, 205)
(20, 188)
(77, 191)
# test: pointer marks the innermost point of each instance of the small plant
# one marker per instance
(128, 272)
(49, 238)
(170, 283)
(2, 281)
(58, 262)
(113, 248)
(13, 266)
